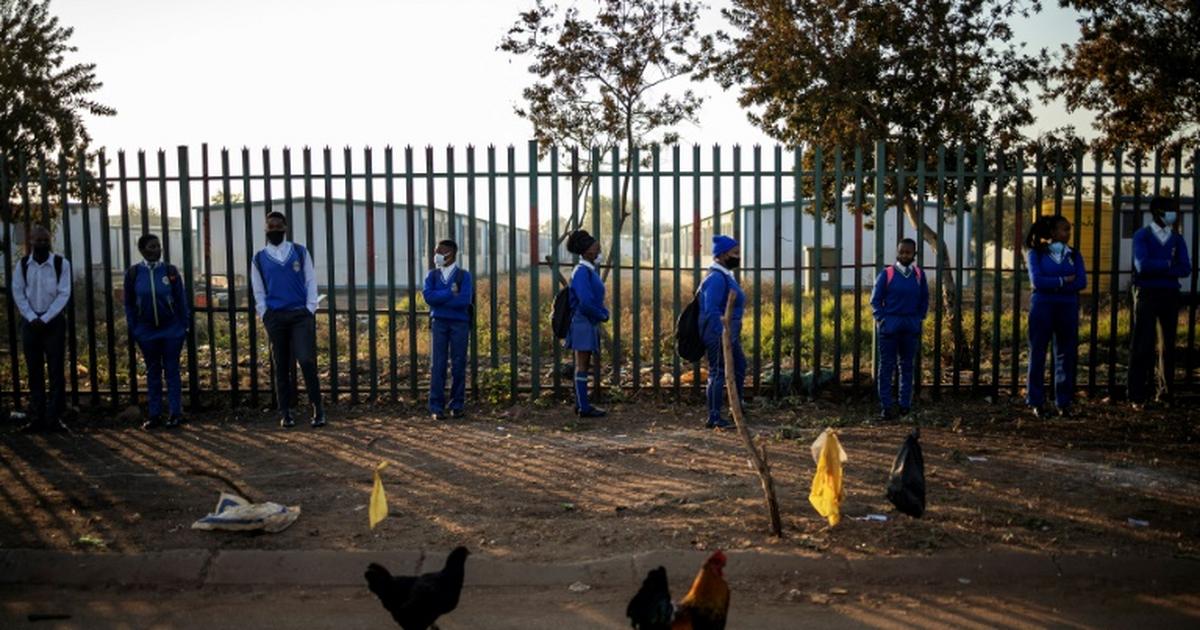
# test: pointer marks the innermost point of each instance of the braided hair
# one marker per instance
(1042, 232)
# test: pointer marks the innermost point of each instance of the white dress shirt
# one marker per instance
(1163, 233)
(448, 271)
(45, 296)
(280, 253)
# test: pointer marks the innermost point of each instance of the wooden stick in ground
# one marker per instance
(735, 408)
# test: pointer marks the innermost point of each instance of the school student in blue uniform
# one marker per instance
(1160, 260)
(587, 313)
(449, 292)
(158, 316)
(899, 301)
(1056, 275)
(714, 296)
(285, 296)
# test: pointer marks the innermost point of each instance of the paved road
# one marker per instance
(321, 590)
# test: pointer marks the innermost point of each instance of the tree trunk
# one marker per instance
(947, 283)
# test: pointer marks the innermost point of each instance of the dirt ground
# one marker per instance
(532, 483)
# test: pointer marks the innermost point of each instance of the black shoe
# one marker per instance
(318, 419)
(286, 421)
(174, 421)
(719, 424)
(1040, 413)
(458, 414)
(592, 412)
(904, 411)
(153, 423)
(438, 416)
(1065, 412)
(887, 415)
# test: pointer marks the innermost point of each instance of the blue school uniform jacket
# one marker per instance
(1159, 265)
(714, 296)
(903, 301)
(1048, 276)
(156, 305)
(450, 301)
(587, 294)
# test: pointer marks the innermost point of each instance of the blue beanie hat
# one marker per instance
(722, 244)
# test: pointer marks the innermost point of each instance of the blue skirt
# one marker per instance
(584, 336)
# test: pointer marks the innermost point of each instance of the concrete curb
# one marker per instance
(202, 568)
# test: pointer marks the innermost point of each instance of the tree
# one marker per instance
(44, 100)
(599, 78)
(1135, 65)
(840, 74)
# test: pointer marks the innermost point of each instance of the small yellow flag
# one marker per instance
(378, 510)
(827, 495)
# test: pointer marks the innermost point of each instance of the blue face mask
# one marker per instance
(1057, 248)
(1170, 217)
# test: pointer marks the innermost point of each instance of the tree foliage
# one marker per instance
(1136, 65)
(599, 78)
(916, 74)
(43, 100)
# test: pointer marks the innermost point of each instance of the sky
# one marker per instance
(276, 73)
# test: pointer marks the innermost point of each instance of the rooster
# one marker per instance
(707, 603)
(703, 608)
(416, 602)
(651, 608)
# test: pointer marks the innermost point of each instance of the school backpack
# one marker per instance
(560, 313)
(58, 266)
(689, 344)
(891, 273)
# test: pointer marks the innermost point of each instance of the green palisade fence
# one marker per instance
(815, 225)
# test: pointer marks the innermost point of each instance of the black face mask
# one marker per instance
(732, 263)
(275, 237)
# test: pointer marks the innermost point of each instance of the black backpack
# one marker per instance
(689, 344)
(906, 485)
(560, 313)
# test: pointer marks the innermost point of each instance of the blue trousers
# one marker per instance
(1060, 322)
(717, 371)
(898, 339)
(449, 341)
(162, 355)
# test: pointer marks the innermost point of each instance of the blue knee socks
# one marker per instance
(581, 391)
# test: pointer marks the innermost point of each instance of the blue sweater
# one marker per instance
(587, 295)
(903, 298)
(284, 282)
(1048, 278)
(714, 295)
(451, 300)
(1158, 265)
(156, 305)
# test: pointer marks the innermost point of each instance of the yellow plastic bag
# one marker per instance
(826, 495)
(378, 509)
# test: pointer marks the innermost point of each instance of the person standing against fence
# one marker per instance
(587, 313)
(158, 315)
(1160, 260)
(41, 289)
(285, 296)
(450, 293)
(1056, 275)
(899, 301)
(714, 296)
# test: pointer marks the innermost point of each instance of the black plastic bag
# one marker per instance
(906, 486)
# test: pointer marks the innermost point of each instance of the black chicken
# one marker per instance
(416, 602)
(651, 608)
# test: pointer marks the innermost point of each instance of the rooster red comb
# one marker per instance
(717, 558)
